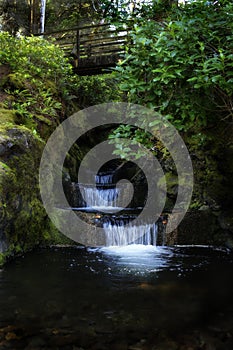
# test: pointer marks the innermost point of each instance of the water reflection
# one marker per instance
(118, 290)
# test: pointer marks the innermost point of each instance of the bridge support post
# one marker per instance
(78, 44)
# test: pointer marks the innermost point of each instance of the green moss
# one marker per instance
(16, 80)
(43, 119)
(7, 116)
(2, 259)
(4, 167)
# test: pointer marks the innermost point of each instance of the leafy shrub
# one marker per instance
(92, 90)
(42, 82)
(33, 57)
(182, 66)
(38, 79)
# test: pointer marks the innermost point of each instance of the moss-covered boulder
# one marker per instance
(24, 222)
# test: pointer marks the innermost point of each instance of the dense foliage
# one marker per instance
(41, 86)
(38, 77)
(182, 66)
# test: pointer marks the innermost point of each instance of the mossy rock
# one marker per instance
(24, 222)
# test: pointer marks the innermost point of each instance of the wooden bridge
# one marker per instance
(93, 49)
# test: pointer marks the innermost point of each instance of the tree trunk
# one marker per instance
(34, 16)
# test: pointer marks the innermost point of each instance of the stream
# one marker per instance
(133, 297)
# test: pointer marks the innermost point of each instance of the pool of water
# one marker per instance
(134, 297)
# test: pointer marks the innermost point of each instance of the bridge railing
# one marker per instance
(91, 40)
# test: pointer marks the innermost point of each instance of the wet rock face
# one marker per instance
(198, 227)
(210, 220)
(14, 142)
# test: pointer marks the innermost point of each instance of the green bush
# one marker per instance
(38, 79)
(92, 90)
(182, 66)
(42, 84)
(33, 57)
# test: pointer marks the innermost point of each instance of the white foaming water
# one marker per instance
(95, 197)
(130, 249)
(119, 234)
(137, 258)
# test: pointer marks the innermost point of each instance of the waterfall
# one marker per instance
(97, 197)
(103, 179)
(120, 234)
(120, 229)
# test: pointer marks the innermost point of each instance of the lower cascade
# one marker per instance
(123, 228)
(120, 234)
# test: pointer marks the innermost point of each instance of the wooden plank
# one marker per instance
(71, 29)
(110, 43)
(83, 42)
(94, 47)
